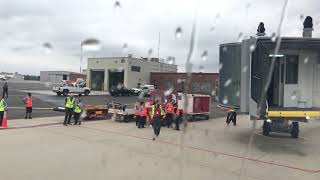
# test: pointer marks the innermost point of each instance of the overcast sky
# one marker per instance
(27, 24)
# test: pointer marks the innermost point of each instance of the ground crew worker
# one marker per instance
(69, 105)
(176, 118)
(5, 90)
(169, 113)
(3, 107)
(28, 102)
(156, 119)
(232, 116)
(143, 115)
(137, 112)
(77, 112)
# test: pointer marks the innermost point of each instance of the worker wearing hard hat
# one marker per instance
(28, 101)
(143, 115)
(169, 113)
(156, 119)
(69, 105)
(77, 112)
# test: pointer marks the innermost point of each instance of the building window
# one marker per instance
(168, 84)
(135, 68)
(195, 87)
(123, 60)
(65, 77)
(292, 65)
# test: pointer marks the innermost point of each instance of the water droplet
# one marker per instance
(179, 81)
(240, 36)
(204, 55)
(178, 32)
(213, 93)
(248, 5)
(225, 49)
(220, 66)
(307, 117)
(119, 86)
(140, 163)
(273, 37)
(252, 47)
(225, 100)
(125, 48)
(117, 4)
(83, 114)
(212, 29)
(301, 17)
(228, 82)
(237, 93)
(150, 52)
(206, 132)
(201, 68)
(293, 97)
(218, 15)
(47, 84)
(91, 44)
(47, 47)
(306, 60)
(245, 69)
(168, 92)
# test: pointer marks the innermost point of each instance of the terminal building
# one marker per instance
(105, 72)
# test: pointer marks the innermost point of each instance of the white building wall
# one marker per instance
(131, 78)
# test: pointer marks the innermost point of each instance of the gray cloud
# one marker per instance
(27, 25)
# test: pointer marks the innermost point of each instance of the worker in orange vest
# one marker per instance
(156, 114)
(137, 113)
(169, 113)
(28, 103)
(143, 115)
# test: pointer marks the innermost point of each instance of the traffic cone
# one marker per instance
(4, 121)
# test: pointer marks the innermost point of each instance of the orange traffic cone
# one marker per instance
(4, 121)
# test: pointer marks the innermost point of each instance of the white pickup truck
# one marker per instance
(71, 88)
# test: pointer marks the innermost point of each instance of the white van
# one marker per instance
(147, 88)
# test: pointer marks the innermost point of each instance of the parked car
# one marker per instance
(136, 91)
(146, 89)
(71, 88)
(122, 91)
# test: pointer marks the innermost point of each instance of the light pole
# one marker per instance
(80, 56)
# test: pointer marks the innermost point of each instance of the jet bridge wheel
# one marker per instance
(266, 128)
(295, 130)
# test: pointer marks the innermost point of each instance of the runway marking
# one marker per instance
(209, 151)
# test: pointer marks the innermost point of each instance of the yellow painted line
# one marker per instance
(293, 113)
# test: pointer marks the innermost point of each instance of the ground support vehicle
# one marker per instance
(73, 88)
(90, 111)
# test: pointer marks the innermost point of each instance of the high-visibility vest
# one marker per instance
(29, 101)
(70, 102)
(156, 111)
(144, 112)
(162, 112)
(137, 110)
(77, 109)
(170, 108)
(1, 105)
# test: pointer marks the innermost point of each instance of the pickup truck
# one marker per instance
(71, 88)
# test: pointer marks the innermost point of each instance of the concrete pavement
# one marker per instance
(110, 150)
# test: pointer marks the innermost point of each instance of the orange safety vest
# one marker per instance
(170, 108)
(144, 112)
(29, 101)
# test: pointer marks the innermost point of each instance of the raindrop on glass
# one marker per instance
(252, 47)
(306, 60)
(218, 15)
(119, 86)
(213, 93)
(225, 49)
(125, 48)
(225, 100)
(179, 81)
(204, 55)
(117, 5)
(168, 92)
(178, 32)
(206, 132)
(220, 66)
(273, 37)
(212, 29)
(307, 117)
(228, 82)
(91, 44)
(47, 47)
(240, 36)
(245, 69)
(150, 52)
(201, 68)
(293, 97)
(301, 17)
(237, 93)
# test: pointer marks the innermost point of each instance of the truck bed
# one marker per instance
(293, 112)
